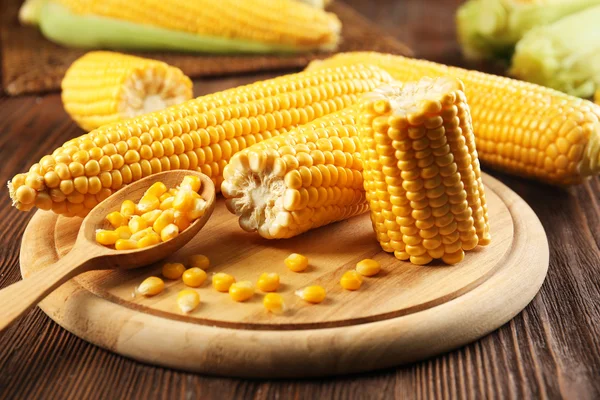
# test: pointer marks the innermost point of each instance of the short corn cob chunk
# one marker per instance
(421, 171)
(103, 87)
(304, 179)
(201, 134)
(520, 127)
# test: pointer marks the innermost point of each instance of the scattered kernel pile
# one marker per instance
(159, 216)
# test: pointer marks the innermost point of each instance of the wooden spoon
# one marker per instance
(87, 255)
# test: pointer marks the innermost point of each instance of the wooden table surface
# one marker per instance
(550, 350)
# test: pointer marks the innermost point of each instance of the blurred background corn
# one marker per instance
(304, 179)
(103, 87)
(201, 134)
(421, 171)
(520, 128)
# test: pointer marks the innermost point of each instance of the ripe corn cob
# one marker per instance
(256, 26)
(421, 172)
(520, 127)
(200, 134)
(295, 182)
(103, 87)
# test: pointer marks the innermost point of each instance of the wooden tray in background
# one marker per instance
(405, 313)
(33, 64)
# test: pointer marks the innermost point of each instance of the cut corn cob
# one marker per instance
(421, 172)
(520, 127)
(257, 26)
(103, 87)
(304, 179)
(200, 134)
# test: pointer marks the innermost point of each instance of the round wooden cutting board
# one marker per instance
(403, 314)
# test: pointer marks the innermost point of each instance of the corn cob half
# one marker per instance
(421, 172)
(295, 182)
(257, 26)
(520, 127)
(199, 134)
(103, 87)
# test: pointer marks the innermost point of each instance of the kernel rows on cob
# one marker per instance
(200, 134)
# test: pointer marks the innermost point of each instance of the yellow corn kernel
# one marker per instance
(194, 277)
(149, 240)
(312, 294)
(199, 261)
(151, 216)
(123, 232)
(351, 280)
(128, 208)
(106, 237)
(173, 270)
(191, 182)
(116, 219)
(268, 282)
(165, 196)
(157, 189)
(273, 302)
(296, 262)
(198, 209)
(241, 291)
(184, 200)
(188, 300)
(147, 203)
(167, 203)
(222, 281)
(368, 267)
(169, 232)
(126, 244)
(137, 223)
(167, 217)
(182, 221)
(140, 234)
(151, 286)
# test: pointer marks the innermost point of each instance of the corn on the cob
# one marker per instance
(257, 26)
(200, 134)
(304, 179)
(103, 87)
(520, 127)
(421, 172)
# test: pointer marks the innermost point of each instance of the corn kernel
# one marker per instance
(173, 270)
(128, 208)
(147, 203)
(198, 209)
(368, 267)
(351, 280)
(183, 201)
(151, 216)
(222, 281)
(140, 234)
(194, 277)
(164, 196)
(191, 182)
(169, 232)
(273, 302)
(137, 223)
(126, 244)
(296, 262)
(106, 237)
(157, 189)
(123, 232)
(312, 294)
(151, 286)
(268, 282)
(241, 291)
(149, 240)
(199, 261)
(167, 203)
(116, 219)
(182, 221)
(167, 217)
(188, 300)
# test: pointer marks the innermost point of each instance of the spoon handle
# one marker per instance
(19, 297)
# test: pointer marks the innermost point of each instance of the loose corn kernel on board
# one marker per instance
(403, 314)
(33, 64)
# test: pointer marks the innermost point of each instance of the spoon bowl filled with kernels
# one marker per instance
(140, 224)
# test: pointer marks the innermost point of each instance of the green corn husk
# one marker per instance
(491, 28)
(564, 55)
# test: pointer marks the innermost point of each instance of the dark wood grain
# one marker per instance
(550, 350)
